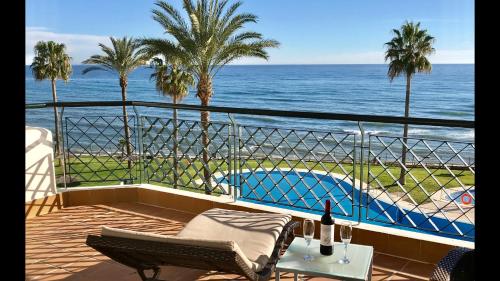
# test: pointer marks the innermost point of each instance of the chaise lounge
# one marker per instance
(228, 241)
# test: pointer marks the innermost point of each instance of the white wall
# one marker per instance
(40, 175)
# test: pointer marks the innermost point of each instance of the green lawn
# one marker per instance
(104, 170)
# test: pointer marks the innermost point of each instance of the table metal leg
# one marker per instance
(295, 277)
(370, 271)
(277, 275)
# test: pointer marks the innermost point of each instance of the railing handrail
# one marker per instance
(272, 112)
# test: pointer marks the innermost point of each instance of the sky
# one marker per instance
(310, 32)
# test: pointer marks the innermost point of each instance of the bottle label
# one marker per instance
(326, 235)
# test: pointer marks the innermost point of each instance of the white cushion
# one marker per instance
(254, 233)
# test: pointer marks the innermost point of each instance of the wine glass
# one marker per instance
(308, 236)
(345, 235)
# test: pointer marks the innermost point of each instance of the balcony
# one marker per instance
(170, 176)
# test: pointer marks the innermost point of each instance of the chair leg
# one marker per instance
(156, 272)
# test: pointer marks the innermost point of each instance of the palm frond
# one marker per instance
(172, 12)
(408, 50)
(93, 68)
(51, 61)
(171, 80)
(123, 56)
(207, 35)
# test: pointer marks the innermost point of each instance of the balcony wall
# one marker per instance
(40, 184)
(412, 248)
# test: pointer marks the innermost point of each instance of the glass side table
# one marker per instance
(360, 267)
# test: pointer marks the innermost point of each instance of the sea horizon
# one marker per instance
(446, 93)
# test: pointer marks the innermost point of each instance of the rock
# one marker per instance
(69, 179)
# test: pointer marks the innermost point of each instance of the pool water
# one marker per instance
(303, 191)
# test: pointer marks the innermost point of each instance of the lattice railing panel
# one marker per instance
(96, 149)
(434, 189)
(174, 157)
(297, 168)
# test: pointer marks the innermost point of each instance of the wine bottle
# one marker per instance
(327, 232)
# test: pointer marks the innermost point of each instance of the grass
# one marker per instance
(104, 170)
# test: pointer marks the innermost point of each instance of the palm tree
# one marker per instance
(52, 62)
(407, 53)
(172, 80)
(121, 146)
(123, 57)
(209, 39)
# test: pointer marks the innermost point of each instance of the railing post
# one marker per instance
(139, 126)
(236, 161)
(230, 140)
(354, 163)
(175, 148)
(63, 164)
(240, 167)
(234, 141)
(144, 170)
(361, 169)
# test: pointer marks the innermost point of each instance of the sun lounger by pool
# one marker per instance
(228, 241)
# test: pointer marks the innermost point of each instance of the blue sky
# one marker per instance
(315, 32)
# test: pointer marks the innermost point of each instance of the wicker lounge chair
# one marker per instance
(457, 265)
(228, 241)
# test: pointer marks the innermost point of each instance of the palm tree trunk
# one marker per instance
(123, 85)
(402, 177)
(175, 144)
(122, 148)
(56, 121)
(205, 93)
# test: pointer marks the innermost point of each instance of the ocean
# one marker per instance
(446, 93)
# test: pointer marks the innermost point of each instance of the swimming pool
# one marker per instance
(303, 191)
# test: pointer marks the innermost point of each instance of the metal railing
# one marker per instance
(95, 150)
(424, 199)
(284, 167)
(173, 154)
(297, 168)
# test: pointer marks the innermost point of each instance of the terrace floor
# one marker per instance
(56, 250)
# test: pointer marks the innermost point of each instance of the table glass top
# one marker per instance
(327, 266)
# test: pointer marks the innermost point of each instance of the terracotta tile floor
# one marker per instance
(56, 250)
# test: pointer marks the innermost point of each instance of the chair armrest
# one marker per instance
(448, 264)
